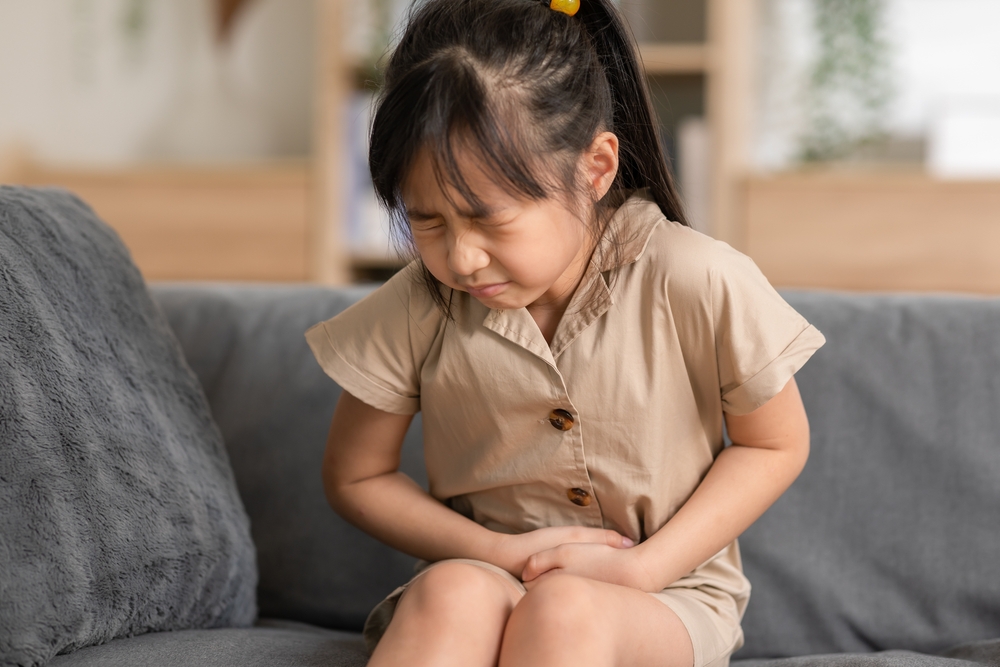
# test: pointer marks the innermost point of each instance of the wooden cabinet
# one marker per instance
(205, 223)
(887, 229)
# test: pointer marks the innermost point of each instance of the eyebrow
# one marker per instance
(413, 214)
(478, 212)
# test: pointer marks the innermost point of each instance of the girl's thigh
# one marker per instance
(569, 620)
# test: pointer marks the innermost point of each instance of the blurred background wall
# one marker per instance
(846, 144)
(117, 82)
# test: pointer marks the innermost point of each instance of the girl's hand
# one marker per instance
(513, 551)
(594, 561)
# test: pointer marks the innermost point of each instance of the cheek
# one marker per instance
(432, 254)
(548, 251)
(533, 265)
(427, 244)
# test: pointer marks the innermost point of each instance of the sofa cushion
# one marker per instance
(119, 514)
(273, 403)
(880, 659)
(281, 646)
(890, 537)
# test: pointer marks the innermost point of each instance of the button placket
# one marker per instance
(563, 420)
(578, 490)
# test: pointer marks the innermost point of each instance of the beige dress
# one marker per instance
(614, 424)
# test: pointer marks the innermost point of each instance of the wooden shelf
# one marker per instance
(377, 262)
(873, 229)
(662, 58)
(374, 268)
(245, 222)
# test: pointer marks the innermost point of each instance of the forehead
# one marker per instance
(468, 186)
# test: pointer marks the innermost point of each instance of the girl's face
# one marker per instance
(515, 252)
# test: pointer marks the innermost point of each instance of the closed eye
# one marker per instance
(494, 220)
(422, 222)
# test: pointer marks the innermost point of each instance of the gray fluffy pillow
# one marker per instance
(119, 513)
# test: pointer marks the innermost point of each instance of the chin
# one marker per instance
(498, 304)
(501, 302)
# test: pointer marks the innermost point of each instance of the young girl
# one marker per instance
(573, 347)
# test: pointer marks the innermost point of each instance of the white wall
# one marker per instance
(77, 86)
(947, 49)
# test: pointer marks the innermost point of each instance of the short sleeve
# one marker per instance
(375, 349)
(760, 340)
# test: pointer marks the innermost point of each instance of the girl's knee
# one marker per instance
(560, 608)
(454, 588)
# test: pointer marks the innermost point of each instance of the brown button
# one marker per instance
(578, 496)
(561, 419)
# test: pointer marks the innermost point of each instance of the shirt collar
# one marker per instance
(628, 232)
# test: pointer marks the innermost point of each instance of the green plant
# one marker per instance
(850, 87)
(370, 74)
(134, 23)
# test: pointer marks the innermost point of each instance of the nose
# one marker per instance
(465, 253)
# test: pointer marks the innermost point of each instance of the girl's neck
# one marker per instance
(547, 321)
(549, 313)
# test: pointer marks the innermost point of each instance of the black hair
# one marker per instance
(523, 85)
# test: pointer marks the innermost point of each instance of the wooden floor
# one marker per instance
(874, 230)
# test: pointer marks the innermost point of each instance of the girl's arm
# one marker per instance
(769, 450)
(363, 484)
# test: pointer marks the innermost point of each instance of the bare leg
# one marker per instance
(565, 620)
(454, 614)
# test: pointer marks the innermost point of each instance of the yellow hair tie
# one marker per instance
(570, 7)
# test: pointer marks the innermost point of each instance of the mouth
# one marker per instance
(486, 291)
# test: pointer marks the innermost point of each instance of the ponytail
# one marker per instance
(641, 160)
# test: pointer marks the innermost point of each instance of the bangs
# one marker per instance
(454, 110)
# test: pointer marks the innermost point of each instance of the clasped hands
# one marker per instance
(594, 553)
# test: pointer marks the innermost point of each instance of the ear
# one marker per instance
(600, 163)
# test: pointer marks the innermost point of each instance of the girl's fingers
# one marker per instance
(611, 538)
(548, 539)
(617, 540)
(539, 564)
(528, 585)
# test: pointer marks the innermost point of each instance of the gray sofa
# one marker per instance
(886, 551)
(122, 516)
